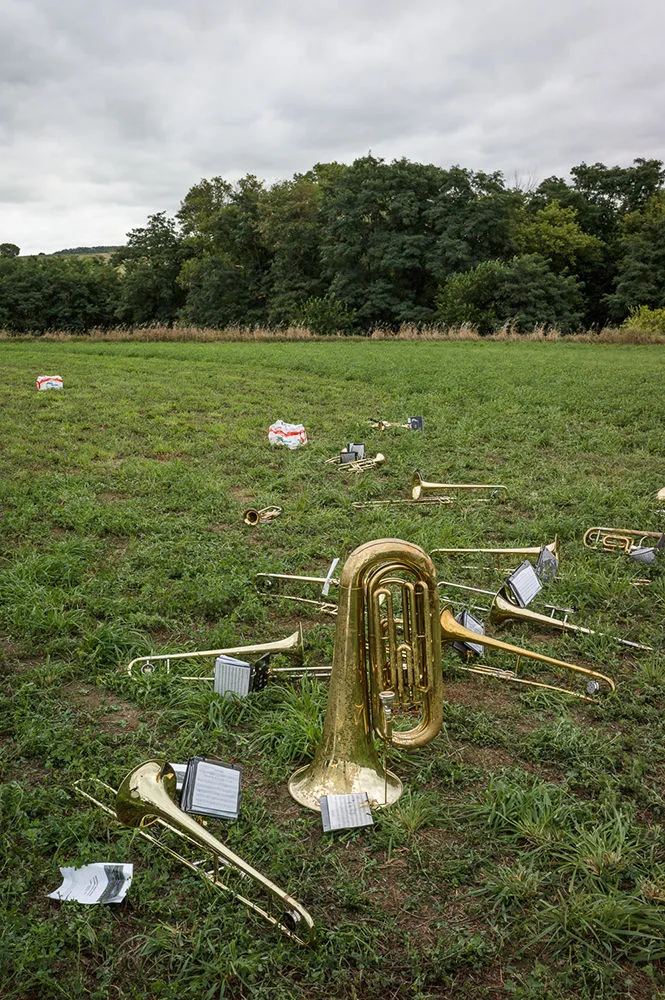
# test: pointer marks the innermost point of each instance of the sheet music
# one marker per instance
(216, 791)
(343, 812)
(95, 883)
(180, 770)
(466, 619)
(524, 583)
(232, 676)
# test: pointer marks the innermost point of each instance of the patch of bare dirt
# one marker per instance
(110, 713)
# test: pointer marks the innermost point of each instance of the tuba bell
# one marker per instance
(387, 639)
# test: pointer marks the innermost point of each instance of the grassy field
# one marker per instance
(526, 858)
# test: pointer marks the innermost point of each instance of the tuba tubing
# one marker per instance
(346, 759)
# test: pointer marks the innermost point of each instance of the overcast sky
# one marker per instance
(113, 109)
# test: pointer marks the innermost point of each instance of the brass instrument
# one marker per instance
(503, 609)
(292, 645)
(529, 550)
(264, 516)
(452, 631)
(628, 540)
(359, 465)
(431, 501)
(147, 796)
(382, 425)
(419, 488)
(387, 639)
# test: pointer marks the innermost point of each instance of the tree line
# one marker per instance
(347, 248)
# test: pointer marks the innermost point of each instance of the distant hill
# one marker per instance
(83, 251)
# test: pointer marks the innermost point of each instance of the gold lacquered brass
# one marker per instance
(253, 516)
(419, 488)
(503, 609)
(452, 631)
(291, 646)
(618, 539)
(529, 550)
(147, 797)
(360, 464)
(387, 639)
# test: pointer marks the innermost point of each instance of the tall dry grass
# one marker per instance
(465, 332)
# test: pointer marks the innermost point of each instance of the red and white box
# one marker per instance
(49, 382)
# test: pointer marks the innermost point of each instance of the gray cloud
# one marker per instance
(110, 111)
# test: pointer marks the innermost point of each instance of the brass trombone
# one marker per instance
(529, 550)
(264, 516)
(292, 645)
(420, 489)
(147, 796)
(387, 638)
(452, 631)
(503, 609)
(628, 540)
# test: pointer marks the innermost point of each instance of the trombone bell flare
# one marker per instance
(368, 659)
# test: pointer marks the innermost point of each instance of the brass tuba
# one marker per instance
(387, 639)
(147, 797)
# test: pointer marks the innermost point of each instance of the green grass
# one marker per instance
(526, 857)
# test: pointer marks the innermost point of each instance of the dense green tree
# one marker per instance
(291, 227)
(473, 219)
(378, 245)
(554, 233)
(523, 292)
(150, 263)
(9, 250)
(57, 293)
(226, 278)
(641, 272)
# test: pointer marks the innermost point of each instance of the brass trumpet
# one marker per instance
(452, 631)
(292, 645)
(419, 488)
(359, 465)
(147, 796)
(387, 639)
(628, 540)
(264, 516)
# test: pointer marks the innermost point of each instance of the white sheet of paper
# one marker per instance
(343, 812)
(216, 790)
(96, 883)
(524, 583)
(231, 676)
(179, 774)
